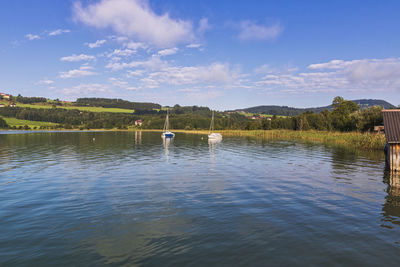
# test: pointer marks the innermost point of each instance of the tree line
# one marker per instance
(345, 116)
(115, 103)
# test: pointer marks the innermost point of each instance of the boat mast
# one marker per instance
(166, 123)
(212, 122)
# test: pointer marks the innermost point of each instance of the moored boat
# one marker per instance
(211, 135)
(166, 132)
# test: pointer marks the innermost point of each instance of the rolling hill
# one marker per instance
(291, 111)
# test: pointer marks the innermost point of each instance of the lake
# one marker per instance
(128, 198)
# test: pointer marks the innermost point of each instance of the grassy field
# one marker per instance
(16, 122)
(91, 109)
(367, 141)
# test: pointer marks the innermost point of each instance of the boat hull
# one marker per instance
(215, 136)
(167, 135)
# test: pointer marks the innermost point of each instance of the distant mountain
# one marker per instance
(290, 111)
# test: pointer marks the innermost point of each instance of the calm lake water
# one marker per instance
(126, 198)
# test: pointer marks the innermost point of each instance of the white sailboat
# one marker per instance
(166, 133)
(211, 135)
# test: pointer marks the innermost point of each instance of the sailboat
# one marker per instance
(211, 135)
(166, 133)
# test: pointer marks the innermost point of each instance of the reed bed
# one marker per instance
(368, 141)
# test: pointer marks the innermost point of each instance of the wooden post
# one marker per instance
(393, 157)
(397, 164)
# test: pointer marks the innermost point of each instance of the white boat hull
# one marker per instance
(215, 136)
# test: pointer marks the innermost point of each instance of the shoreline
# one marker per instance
(366, 141)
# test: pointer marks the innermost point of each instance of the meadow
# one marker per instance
(17, 123)
(91, 109)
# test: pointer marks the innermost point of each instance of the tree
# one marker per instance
(3, 124)
(341, 114)
(368, 118)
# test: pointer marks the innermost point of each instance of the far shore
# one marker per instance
(367, 141)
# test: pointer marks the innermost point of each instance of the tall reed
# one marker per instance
(369, 141)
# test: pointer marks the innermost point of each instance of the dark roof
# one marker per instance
(391, 120)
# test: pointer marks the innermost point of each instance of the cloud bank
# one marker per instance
(135, 19)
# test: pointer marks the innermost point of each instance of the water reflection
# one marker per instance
(243, 202)
(212, 143)
(138, 137)
(391, 207)
(166, 144)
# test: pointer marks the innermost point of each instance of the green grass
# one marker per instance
(16, 122)
(91, 109)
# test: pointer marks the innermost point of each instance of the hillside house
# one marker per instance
(5, 96)
(391, 121)
(138, 122)
(2, 105)
(12, 105)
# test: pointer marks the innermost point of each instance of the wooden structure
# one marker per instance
(391, 121)
(379, 129)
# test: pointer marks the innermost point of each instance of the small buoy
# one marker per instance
(94, 138)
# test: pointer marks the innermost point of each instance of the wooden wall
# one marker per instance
(393, 157)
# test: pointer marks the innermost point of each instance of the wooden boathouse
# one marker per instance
(391, 121)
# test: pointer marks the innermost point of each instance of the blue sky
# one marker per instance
(221, 54)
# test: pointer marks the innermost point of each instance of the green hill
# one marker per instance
(291, 111)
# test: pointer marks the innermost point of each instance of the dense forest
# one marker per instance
(115, 103)
(345, 116)
(29, 100)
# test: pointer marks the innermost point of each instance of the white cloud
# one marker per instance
(193, 45)
(135, 19)
(168, 52)
(134, 73)
(115, 66)
(86, 89)
(252, 31)
(122, 53)
(76, 58)
(58, 32)
(333, 64)
(122, 84)
(266, 68)
(188, 90)
(45, 81)
(32, 36)
(365, 75)
(135, 45)
(366, 72)
(215, 73)
(81, 72)
(203, 26)
(152, 63)
(96, 44)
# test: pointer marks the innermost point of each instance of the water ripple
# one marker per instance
(125, 198)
